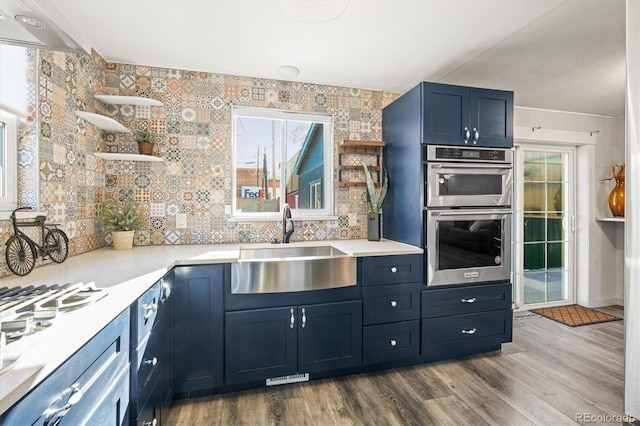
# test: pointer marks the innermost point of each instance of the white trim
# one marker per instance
(558, 111)
(10, 166)
(13, 111)
(552, 136)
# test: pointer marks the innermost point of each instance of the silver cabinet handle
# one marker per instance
(393, 269)
(476, 135)
(153, 422)
(304, 318)
(469, 300)
(54, 416)
(292, 320)
(149, 309)
(470, 331)
(393, 342)
(166, 291)
(466, 134)
(393, 303)
(152, 361)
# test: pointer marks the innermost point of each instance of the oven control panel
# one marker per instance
(437, 153)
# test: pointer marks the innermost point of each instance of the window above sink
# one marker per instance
(281, 157)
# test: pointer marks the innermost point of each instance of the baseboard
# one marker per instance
(605, 302)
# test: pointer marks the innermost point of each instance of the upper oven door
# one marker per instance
(465, 184)
(468, 246)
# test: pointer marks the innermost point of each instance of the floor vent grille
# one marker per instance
(294, 378)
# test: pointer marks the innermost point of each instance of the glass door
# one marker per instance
(544, 231)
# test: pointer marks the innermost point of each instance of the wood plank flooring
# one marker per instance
(549, 375)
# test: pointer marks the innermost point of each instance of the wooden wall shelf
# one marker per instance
(349, 150)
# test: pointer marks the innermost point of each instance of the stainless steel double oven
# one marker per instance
(468, 214)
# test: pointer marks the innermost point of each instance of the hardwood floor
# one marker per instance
(551, 374)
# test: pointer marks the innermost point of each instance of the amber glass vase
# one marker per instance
(616, 198)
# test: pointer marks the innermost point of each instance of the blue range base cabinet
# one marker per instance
(152, 350)
(98, 372)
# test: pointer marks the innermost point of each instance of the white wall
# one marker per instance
(632, 227)
(599, 245)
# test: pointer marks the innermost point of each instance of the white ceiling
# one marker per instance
(556, 54)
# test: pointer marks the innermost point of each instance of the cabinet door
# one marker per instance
(199, 319)
(445, 114)
(260, 344)
(492, 117)
(330, 336)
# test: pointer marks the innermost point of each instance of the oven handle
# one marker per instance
(469, 212)
(471, 166)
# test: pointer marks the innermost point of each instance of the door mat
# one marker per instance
(575, 315)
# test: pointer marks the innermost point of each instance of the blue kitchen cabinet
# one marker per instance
(91, 387)
(465, 319)
(391, 307)
(276, 342)
(459, 115)
(152, 353)
(199, 327)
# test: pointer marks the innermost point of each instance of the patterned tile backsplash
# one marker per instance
(59, 174)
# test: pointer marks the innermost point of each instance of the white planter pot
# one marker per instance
(122, 240)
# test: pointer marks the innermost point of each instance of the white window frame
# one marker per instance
(313, 190)
(327, 211)
(9, 194)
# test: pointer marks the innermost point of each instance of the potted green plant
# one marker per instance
(374, 202)
(145, 140)
(122, 219)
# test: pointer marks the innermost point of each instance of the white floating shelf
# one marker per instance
(127, 100)
(126, 157)
(610, 219)
(103, 122)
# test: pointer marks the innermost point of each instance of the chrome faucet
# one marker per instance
(286, 217)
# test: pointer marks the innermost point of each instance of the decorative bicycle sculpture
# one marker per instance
(21, 250)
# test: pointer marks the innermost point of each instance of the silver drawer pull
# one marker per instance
(153, 422)
(54, 416)
(304, 318)
(470, 331)
(292, 322)
(149, 309)
(393, 269)
(393, 342)
(393, 303)
(152, 361)
(470, 300)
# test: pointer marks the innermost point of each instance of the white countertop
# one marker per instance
(127, 274)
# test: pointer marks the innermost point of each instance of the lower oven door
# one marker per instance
(468, 246)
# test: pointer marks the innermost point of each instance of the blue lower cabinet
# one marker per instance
(199, 327)
(466, 299)
(276, 342)
(259, 344)
(97, 374)
(390, 342)
(391, 303)
(459, 335)
(329, 336)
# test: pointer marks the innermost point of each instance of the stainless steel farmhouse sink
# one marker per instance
(286, 268)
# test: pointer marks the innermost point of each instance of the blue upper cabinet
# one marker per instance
(459, 115)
